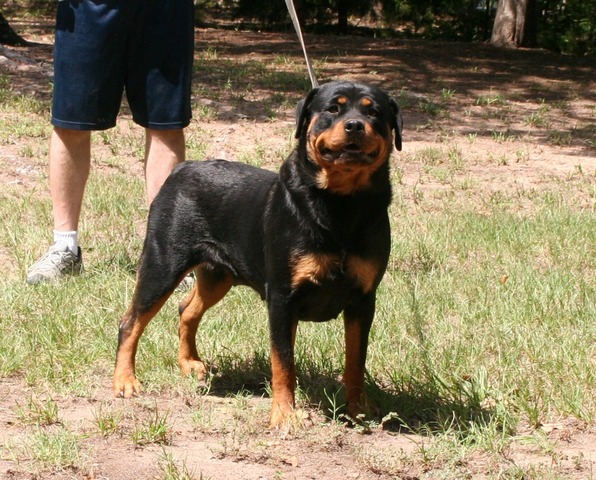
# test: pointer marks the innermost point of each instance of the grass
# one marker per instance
(38, 412)
(171, 469)
(485, 318)
(494, 298)
(154, 428)
(47, 450)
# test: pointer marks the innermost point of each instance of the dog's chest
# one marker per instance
(323, 268)
(322, 284)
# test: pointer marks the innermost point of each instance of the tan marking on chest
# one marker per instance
(316, 267)
(313, 267)
(363, 271)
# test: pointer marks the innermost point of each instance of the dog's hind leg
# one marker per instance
(132, 325)
(210, 287)
(156, 281)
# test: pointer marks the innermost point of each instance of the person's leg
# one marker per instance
(158, 83)
(164, 149)
(70, 160)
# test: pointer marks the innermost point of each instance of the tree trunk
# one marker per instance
(300, 7)
(530, 37)
(342, 15)
(8, 36)
(514, 24)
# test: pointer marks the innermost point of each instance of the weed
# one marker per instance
(5, 92)
(560, 138)
(522, 155)
(204, 415)
(492, 99)
(47, 449)
(447, 94)
(38, 412)
(153, 429)
(537, 119)
(335, 407)
(429, 107)
(169, 469)
(455, 158)
(429, 156)
(107, 420)
(502, 137)
(256, 156)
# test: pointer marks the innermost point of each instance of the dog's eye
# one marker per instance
(333, 109)
(373, 112)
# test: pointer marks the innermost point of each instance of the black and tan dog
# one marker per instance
(313, 240)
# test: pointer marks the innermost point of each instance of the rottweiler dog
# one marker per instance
(313, 240)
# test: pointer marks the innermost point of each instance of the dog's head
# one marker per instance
(347, 130)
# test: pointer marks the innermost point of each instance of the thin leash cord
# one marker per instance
(294, 17)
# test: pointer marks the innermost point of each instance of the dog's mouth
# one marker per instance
(348, 153)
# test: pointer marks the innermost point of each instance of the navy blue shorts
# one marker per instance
(105, 47)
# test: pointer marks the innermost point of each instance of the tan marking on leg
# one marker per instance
(283, 385)
(184, 303)
(206, 292)
(125, 383)
(354, 368)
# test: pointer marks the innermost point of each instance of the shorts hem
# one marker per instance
(162, 126)
(82, 125)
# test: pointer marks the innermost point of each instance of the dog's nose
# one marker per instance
(354, 126)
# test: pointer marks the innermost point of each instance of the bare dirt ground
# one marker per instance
(504, 151)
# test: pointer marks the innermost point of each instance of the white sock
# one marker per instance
(69, 238)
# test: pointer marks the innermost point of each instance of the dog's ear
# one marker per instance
(397, 122)
(302, 113)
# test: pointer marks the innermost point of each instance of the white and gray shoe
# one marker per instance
(186, 284)
(55, 264)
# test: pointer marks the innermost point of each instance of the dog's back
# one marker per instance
(206, 195)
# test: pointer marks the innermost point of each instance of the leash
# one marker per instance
(294, 17)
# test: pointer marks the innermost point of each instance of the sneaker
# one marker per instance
(186, 284)
(56, 263)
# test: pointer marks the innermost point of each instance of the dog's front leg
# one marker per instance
(357, 321)
(282, 328)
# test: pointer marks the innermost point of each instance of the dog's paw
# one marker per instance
(126, 386)
(191, 365)
(284, 417)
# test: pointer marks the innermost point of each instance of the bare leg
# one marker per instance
(164, 149)
(70, 160)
